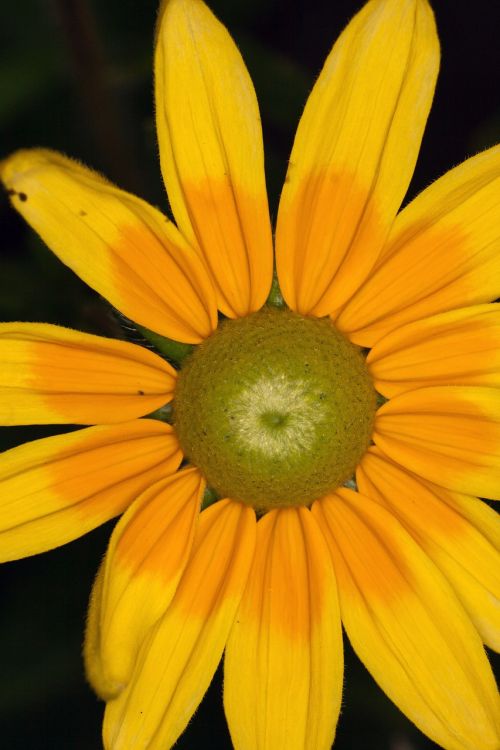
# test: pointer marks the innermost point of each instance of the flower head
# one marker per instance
(242, 530)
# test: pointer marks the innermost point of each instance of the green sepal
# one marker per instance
(275, 298)
(172, 350)
(381, 400)
(210, 497)
(164, 414)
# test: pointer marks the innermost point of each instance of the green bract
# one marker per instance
(275, 409)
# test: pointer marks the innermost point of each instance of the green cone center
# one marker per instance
(275, 409)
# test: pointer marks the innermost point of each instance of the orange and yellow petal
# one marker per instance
(118, 244)
(284, 661)
(147, 554)
(211, 152)
(442, 254)
(449, 435)
(407, 626)
(58, 488)
(92, 643)
(177, 661)
(53, 375)
(354, 153)
(459, 347)
(460, 534)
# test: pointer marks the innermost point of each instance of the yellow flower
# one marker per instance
(408, 562)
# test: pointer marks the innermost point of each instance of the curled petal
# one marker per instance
(147, 554)
(179, 657)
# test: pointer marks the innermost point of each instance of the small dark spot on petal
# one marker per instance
(23, 197)
(82, 213)
(140, 393)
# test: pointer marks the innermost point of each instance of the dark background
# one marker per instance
(75, 75)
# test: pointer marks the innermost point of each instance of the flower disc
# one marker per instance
(275, 409)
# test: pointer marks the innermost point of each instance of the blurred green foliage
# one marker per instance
(70, 69)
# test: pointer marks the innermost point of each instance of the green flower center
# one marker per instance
(275, 409)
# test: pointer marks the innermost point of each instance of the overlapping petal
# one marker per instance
(211, 152)
(460, 347)
(407, 626)
(53, 375)
(354, 153)
(460, 534)
(449, 435)
(179, 657)
(147, 554)
(283, 665)
(120, 245)
(442, 254)
(56, 489)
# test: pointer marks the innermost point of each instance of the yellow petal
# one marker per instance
(354, 153)
(56, 489)
(118, 244)
(407, 626)
(147, 554)
(284, 663)
(53, 375)
(460, 534)
(442, 253)
(460, 347)
(92, 644)
(449, 435)
(211, 152)
(178, 660)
